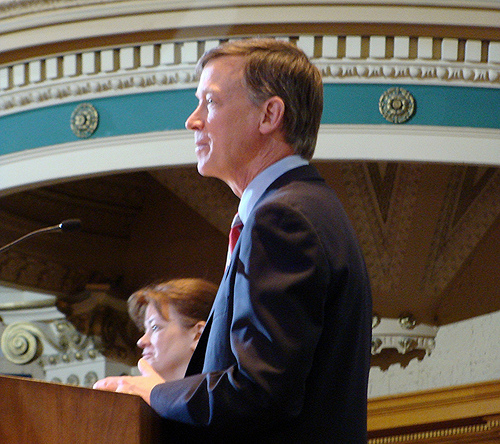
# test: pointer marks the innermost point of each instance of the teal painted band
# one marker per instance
(167, 110)
(435, 105)
(118, 116)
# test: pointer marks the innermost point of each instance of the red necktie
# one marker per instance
(234, 234)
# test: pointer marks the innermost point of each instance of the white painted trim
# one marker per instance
(89, 19)
(22, 87)
(79, 159)
(51, 164)
(409, 143)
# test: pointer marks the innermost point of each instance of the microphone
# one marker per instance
(70, 225)
(65, 226)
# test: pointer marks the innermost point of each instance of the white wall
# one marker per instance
(466, 352)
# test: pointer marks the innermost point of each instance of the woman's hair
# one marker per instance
(192, 299)
(278, 68)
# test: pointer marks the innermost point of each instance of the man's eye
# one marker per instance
(154, 327)
(210, 100)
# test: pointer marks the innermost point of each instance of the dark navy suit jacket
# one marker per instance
(285, 355)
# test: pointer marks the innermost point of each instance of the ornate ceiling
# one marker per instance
(430, 233)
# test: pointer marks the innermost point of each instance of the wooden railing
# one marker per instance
(462, 414)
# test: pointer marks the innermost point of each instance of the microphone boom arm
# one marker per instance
(66, 225)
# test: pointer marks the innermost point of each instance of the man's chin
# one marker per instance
(204, 171)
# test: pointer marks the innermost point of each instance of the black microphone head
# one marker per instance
(70, 225)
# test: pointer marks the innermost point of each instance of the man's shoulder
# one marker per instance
(300, 184)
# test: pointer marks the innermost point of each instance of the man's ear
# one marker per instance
(198, 330)
(273, 115)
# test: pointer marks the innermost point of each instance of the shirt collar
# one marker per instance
(261, 182)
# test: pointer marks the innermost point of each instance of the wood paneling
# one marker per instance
(462, 414)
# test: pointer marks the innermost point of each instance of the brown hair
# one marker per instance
(278, 68)
(192, 298)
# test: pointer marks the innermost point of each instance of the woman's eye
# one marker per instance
(154, 327)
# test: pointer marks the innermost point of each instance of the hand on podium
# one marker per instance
(133, 385)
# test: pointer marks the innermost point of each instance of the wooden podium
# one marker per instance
(37, 412)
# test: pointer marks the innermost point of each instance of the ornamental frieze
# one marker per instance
(170, 65)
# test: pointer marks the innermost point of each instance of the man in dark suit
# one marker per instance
(285, 355)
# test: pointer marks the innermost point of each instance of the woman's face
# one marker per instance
(166, 344)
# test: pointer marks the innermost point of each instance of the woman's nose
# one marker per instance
(143, 341)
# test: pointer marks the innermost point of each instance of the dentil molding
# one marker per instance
(168, 65)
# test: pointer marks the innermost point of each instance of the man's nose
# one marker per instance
(194, 121)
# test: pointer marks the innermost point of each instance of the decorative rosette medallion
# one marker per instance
(397, 105)
(84, 120)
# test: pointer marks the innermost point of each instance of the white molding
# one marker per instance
(79, 159)
(411, 143)
(22, 86)
(58, 11)
(29, 24)
(86, 87)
